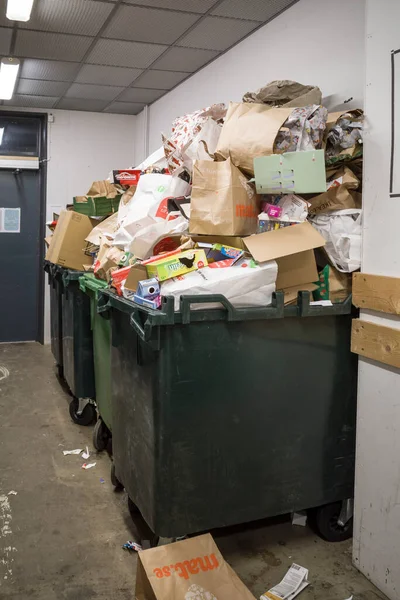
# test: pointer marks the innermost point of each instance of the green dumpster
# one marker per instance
(56, 289)
(231, 415)
(101, 331)
(78, 348)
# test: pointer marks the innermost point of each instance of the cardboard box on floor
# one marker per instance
(67, 246)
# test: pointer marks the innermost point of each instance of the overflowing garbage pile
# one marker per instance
(244, 201)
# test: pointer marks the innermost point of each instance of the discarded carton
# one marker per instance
(290, 294)
(137, 273)
(101, 200)
(106, 228)
(177, 265)
(193, 569)
(296, 269)
(284, 242)
(67, 246)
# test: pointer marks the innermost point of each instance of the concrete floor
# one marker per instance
(61, 533)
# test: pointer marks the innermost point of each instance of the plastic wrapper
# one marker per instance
(342, 232)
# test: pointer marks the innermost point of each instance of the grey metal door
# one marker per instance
(21, 231)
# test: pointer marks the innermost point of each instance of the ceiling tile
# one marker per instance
(82, 104)
(41, 88)
(95, 92)
(68, 16)
(125, 108)
(148, 24)
(140, 95)
(125, 54)
(102, 75)
(185, 59)
(5, 40)
(160, 80)
(31, 101)
(196, 6)
(215, 33)
(51, 45)
(53, 70)
(258, 10)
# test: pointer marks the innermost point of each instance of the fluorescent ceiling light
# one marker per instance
(8, 75)
(19, 10)
(1, 135)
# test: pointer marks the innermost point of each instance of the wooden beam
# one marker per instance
(377, 292)
(376, 342)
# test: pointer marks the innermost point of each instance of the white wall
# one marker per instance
(377, 503)
(82, 147)
(315, 42)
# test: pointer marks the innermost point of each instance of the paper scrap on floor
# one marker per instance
(85, 455)
(76, 451)
(295, 580)
(88, 465)
(299, 518)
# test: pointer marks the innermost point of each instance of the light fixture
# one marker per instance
(8, 75)
(1, 135)
(19, 10)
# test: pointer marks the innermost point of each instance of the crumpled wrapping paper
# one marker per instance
(303, 130)
(285, 93)
(345, 138)
(184, 131)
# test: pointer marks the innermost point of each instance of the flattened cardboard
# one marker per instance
(296, 269)
(291, 293)
(284, 242)
(67, 246)
(136, 274)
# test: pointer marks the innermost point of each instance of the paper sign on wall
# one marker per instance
(10, 220)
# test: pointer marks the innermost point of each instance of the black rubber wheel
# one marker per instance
(325, 521)
(115, 482)
(88, 415)
(148, 539)
(101, 435)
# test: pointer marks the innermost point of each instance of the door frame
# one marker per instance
(43, 119)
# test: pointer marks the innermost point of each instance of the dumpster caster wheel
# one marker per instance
(324, 519)
(148, 539)
(118, 487)
(86, 417)
(101, 435)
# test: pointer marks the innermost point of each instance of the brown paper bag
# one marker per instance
(285, 93)
(223, 202)
(340, 194)
(193, 569)
(249, 131)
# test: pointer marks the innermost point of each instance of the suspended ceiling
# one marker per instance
(116, 56)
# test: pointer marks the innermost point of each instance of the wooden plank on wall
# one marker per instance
(377, 292)
(376, 341)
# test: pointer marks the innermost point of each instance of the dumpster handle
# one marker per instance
(187, 301)
(143, 332)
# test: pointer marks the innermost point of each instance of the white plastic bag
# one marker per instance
(243, 284)
(151, 188)
(342, 232)
(167, 231)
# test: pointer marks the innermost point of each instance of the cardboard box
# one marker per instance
(296, 269)
(136, 274)
(176, 265)
(67, 246)
(292, 248)
(292, 292)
